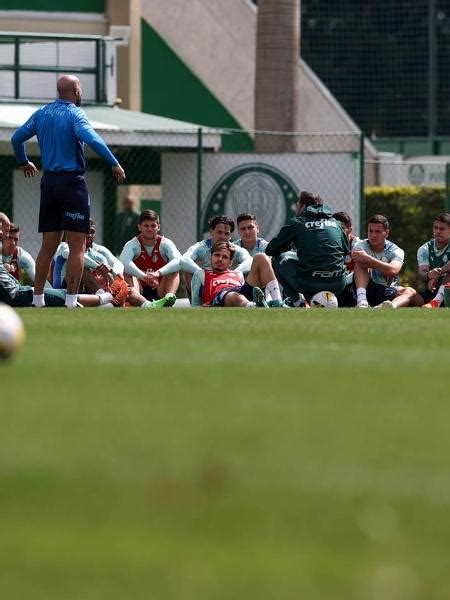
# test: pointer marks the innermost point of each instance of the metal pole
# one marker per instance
(199, 182)
(432, 75)
(447, 188)
(362, 199)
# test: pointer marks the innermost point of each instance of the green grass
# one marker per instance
(218, 454)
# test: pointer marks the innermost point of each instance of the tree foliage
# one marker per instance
(410, 211)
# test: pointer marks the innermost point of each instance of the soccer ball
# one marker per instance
(12, 332)
(324, 300)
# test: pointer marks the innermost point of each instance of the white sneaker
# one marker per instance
(386, 304)
(362, 304)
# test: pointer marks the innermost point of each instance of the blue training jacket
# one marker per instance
(61, 129)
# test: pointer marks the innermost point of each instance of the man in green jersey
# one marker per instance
(321, 246)
(433, 259)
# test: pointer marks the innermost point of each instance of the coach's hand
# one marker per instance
(29, 169)
(119, 173)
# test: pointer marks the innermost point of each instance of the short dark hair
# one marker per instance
(442, 218)
(214, 221)
(309, 199)
(224, 246)
(379, 220)
(343, 217)
(245, 217)
(148, 215)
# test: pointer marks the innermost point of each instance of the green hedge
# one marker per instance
(410, 211)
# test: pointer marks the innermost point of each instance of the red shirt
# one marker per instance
(218, 282)
(150, 262)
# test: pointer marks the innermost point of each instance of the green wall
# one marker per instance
(90, 6)
(170, 89)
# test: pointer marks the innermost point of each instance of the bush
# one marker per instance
(410, 211)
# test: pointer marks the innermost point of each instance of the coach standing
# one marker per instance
(62, 128)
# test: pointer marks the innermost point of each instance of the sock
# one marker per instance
(105, 297)
(440, 295)
(71, 300)
(361, 295)
(38, 300)
(250, 305)
(146, 304)
(274, 289)
(107, 305)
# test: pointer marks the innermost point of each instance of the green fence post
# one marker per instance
(199, 182)
(362, 199)
(447, 187)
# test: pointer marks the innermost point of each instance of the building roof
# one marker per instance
(119, 127)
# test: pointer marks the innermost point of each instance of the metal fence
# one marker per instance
(200, 173)
(189, 180)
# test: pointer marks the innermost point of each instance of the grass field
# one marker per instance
(226, 454)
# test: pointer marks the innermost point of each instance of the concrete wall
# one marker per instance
(216, 40)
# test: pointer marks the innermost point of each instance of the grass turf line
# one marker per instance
(229, 453)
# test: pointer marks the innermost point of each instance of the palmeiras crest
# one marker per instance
(254, 188)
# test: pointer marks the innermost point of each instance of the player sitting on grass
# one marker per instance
(248, 229)
(15, 294)
(199, 255)
(433, 258)
(97, 259)
(152, 262)
(377, 265)
(223, 286)
(17, 260)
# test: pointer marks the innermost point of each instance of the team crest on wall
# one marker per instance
(256, 188)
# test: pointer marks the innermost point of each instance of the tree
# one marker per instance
(277, 77)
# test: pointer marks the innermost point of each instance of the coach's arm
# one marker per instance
(281, 242)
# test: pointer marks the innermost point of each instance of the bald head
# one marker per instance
(69, 88)
(4, 224)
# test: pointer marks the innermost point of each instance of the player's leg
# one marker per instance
(403, 297)
(51, 225)
(76, 241)
(169, 284)
(287, 273)
(236, 299)
(418, 299)
(50, 242)
(438, 298)
(361, 278)
(262, 275)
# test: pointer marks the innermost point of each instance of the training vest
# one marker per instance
(437, 261)
(150, 262)
(217, 282)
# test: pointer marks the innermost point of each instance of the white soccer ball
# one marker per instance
(12, 332)
(324, 300)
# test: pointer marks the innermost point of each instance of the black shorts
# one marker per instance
(219, 299)
(378, 293)
(427, 295)
(65, 204)
(150, 293)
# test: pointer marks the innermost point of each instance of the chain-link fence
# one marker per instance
(191, 175)
(410, 193)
